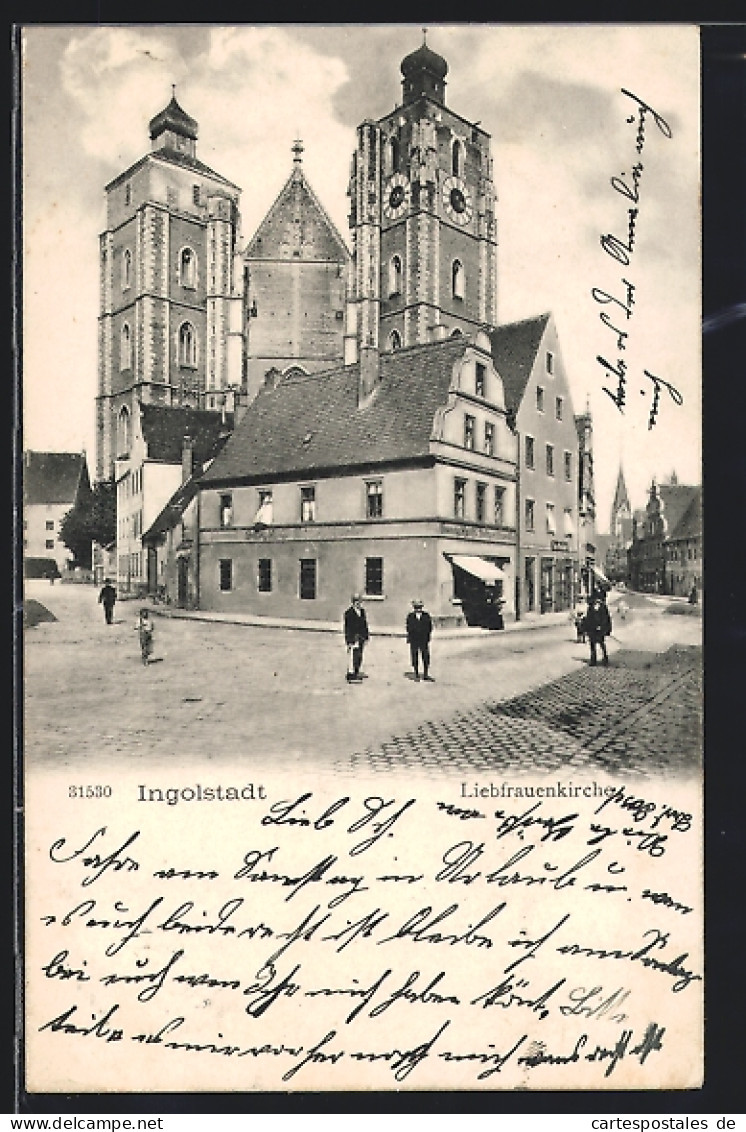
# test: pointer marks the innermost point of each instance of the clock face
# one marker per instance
(396, 197)
(457, 200)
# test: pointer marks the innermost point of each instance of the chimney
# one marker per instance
(369, 373)
(187, 458)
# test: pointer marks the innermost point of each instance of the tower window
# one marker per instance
(457, 279)
(457, 158)
(393, 153)
(395, 274)
(125, 352)
(126, 269)
(395, 340)
(187, 345)
(188, 268)
(124, 431)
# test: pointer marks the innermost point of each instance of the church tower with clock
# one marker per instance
(422, 216)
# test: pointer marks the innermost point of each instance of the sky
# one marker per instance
(572, 155)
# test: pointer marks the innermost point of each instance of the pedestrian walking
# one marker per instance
(107, 598)
(356, 634)
(144, 628)
(598, 627)
(579, 615)
(693, 595)
(419, 631)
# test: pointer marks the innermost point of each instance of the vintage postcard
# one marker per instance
(362, 558)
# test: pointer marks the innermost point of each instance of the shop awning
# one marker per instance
(599, 574)
(479, 567)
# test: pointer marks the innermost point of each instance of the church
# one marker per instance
(389, 437)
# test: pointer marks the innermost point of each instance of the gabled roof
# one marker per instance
(164, 429)
(53, 477)
(514, 349)
(173, 157)
(171, 514)
(297, 201)
(307, 423)
(676, 500)
(689, 524)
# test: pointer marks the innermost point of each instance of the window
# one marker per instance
(529, 451)
(188, 268)
(264, 576)
(568, 466)
(374, 499)
(558, 408)
(50, 524)
(550, 362)
(126, 269)
(469, 429)
(264, 510)
(459, 498)
(550, 459)
(307, 587)
(187, 345)
(196, 194)
(392, 155)
(529, 514)
(395, 274)
(489, 438)
(226, 574)
(457, 279)
(395, 340)
(374, 577)
(569, 527)
(551, 522)
(479, 379)
(125, 347)
(226, 510)
(481, 502)
(539, 399)
(499, 511)
(49, 544)
(123, 431)
(457, 158)
(307, 504)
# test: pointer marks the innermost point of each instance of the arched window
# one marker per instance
(125, 347)
(188, 268)
(395, 274)
(457, 158)
(393, 154)
(457, 279)
(124, 431)
(187, 345)
(395, 340)
(126, 269)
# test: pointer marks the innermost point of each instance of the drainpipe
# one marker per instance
(518, 569)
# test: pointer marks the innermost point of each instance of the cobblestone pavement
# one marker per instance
(230, 695)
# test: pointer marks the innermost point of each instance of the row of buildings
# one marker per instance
(293, 419)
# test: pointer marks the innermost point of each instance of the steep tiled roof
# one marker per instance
(297, 209)
(689, 524)
(52, 477)
(164, 430)
(514, 348)
(313, 422)
(676, 499)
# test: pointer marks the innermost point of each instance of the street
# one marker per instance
(519, 701)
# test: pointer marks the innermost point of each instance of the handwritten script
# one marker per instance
(365, 940)
(619, 302)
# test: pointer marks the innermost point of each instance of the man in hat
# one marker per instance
(598, 625)
(107, 598)
(356, 634)
(419, 631)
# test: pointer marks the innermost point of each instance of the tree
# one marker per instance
(92, 519)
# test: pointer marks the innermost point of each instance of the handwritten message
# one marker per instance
(619, 302)
(328, 939)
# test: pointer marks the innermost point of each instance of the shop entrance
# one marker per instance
(478, 585)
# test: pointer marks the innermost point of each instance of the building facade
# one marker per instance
(296, 268)
(666, 552)
(404, 491)
(53, 483)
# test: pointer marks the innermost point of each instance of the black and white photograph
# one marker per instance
(362, 557)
